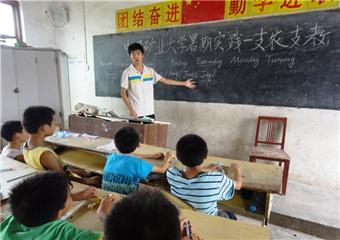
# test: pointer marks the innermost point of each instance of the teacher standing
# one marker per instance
(137, 84)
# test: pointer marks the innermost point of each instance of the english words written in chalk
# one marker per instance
(254, 61)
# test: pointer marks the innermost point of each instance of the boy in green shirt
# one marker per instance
(37, 204)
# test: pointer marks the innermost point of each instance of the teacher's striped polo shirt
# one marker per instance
(140, 88)
(203, 191)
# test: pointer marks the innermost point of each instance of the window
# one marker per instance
(10, 25)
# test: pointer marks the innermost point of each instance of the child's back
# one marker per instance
(202, 191)
(122, 172)
(11, 229)
(200, 187)
(32, 155)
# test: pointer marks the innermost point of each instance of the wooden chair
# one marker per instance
(272, 136)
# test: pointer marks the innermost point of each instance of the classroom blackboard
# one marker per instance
(291, 60)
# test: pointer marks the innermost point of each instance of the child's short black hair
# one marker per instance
(144, 215)
(37, 200)
(127, 140)
(191, 150)
(37, 116)
(135, 46)
(9, 128)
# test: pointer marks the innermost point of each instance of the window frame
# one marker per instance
(17, 20)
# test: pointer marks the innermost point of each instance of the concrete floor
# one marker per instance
(310, 203)
(279, 233)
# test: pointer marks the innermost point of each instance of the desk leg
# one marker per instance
(285, 176)
(268, 209)
(252, 159)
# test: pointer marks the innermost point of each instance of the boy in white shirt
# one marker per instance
(15, 135)
(137, 84)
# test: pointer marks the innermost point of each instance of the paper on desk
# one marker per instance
(64, 134)
(74, 135)
(88, 136)
(108, 147)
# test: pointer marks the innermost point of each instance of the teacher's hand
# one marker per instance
(133, 113)
(190, 84)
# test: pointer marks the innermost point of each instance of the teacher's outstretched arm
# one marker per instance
(127, 102)
(190, 83)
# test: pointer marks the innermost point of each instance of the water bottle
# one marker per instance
(256, 201)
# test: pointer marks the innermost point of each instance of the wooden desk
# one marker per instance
(8, 179)
(153, 134)
(81, 143)
(208, 227)
(256, 176)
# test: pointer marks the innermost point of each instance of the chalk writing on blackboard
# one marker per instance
(236, 42)
(277, 61)
(265, 41)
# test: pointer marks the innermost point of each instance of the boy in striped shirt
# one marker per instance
(198, 186)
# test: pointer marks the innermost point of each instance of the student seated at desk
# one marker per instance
(144, 215)
(15, 135)
(198, 186)
(37, 203)
(123, 171)
(40, 122)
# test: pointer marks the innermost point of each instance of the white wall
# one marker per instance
(37, 29)
(313, 136)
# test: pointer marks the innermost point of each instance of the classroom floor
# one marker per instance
(310, 203)
(280, 233)
(304, 209)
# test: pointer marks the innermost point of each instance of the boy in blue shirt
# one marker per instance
(199, 186)
(123, 171)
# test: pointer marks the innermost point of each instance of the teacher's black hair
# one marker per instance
(135, 46)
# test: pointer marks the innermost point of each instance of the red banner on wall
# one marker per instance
(177, 12)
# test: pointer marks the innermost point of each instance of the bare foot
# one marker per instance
(85, 194)
(158, 155)
(92, 181)
(81, 172)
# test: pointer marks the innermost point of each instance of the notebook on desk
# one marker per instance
(12, 173)
(108, 147)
